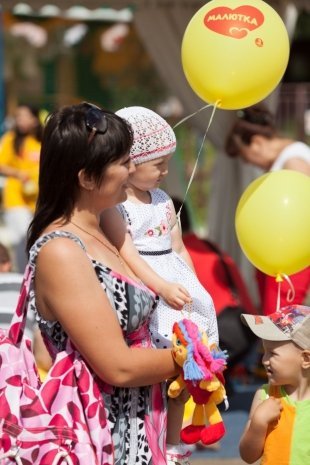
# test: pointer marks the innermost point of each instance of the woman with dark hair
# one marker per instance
(82, 287)
(19, 163)
(254, 138)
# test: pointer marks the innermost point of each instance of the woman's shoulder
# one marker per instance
(295, 150)
(61, 249)
(290, 153)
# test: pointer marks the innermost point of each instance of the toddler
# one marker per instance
(278, 427)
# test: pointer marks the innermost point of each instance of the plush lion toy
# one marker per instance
(203, 378)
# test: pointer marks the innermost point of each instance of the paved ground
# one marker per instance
(219, 462)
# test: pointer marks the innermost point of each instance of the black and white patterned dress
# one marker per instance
(137, 416)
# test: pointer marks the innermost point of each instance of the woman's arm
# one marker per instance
(262, 414)
(14, 173)
(114, 227)
(68, 290)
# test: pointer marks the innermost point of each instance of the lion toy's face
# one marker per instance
(179, 350)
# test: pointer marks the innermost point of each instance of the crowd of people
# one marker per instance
(113, 271)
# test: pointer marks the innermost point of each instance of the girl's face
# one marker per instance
(282, 362)
(149, 175)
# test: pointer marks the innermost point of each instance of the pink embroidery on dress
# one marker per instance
(160, 230)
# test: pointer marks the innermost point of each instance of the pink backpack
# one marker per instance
(59, 421)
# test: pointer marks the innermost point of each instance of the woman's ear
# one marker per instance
(86, 181)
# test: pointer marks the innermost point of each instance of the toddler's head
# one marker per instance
(291, 323)
(153, 136)
(286, 340)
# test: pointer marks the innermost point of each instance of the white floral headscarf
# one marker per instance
(153, 136)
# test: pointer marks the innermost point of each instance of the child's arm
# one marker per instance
(262, 414)
(177, 241)
(114, 226)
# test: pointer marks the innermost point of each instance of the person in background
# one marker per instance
(146, 232)
(84, 290)
(255, 138)
(19, 163)
(278, 427)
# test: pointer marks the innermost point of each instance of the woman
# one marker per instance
(19, 162)
(255, 139)
(83, 289)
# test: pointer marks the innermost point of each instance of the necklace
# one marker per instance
(112, 249)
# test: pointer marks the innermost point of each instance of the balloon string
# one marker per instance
(290, 296)
(199, 152)
(193, 114)
(279, 281)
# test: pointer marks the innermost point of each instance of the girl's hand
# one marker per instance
(175, 295)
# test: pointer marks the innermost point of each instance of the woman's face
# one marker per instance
(25, 121)
(112, 189)
(257, 152)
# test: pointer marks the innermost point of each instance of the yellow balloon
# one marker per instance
(273, 222)
(235, 52)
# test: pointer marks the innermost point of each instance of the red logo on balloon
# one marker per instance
(236, 23)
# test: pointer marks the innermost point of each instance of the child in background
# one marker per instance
(278, 426)
(153, 233)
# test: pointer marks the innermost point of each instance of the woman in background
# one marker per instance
(254, 138)
(19, 163)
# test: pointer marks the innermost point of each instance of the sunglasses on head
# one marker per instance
(95, 120)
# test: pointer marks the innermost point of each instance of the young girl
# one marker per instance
(152, 242)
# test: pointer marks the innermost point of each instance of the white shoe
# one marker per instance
(178, 455)
(176, 459)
